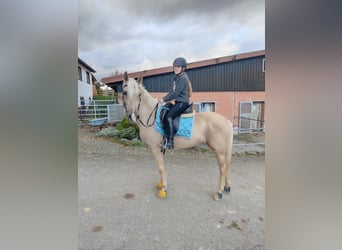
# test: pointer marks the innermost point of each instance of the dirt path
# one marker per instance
(119, 207)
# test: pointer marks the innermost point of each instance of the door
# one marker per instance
(245, 117)
(251, 116)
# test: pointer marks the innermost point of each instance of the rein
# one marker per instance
(148, 120)
(138, 109)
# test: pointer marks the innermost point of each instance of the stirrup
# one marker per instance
(171, 146)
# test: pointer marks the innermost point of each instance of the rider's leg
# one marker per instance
(171, 131)
(175, 111)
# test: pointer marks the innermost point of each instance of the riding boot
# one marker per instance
(171, 130)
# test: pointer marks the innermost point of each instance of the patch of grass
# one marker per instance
(243, 137)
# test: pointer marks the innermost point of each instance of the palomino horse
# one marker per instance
(209, 127)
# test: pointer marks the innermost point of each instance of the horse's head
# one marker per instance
(131, 96)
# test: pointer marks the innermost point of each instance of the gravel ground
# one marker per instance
(119, 207)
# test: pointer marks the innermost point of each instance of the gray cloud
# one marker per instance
(136, 35)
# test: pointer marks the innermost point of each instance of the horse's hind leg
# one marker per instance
(227, 180)
(221, 158)
(227, 173)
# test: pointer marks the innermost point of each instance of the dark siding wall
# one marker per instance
(159, 83)
(240, 75)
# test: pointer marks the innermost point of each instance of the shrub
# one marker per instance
(125, 130)
(108, 132)
(127, 124)
(128, 133)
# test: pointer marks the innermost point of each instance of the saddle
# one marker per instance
(163, 112)
(182, 127)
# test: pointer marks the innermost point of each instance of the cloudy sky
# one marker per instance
(135, 35)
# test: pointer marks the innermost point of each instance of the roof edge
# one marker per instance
(202, 63)
(86, 65)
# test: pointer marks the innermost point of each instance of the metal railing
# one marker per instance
(100, 109)
(245, 126)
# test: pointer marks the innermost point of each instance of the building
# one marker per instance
(233, 86)
(85, 82)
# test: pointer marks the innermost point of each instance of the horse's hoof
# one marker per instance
(162, 194)
(218, 196)
(159, 185)
(227, 189)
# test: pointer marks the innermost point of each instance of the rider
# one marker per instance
(178, 97)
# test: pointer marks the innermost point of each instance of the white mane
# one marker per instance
(147, 96)
(133, 87)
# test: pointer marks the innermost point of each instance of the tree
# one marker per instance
(98, 86)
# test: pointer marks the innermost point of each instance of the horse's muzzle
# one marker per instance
(133, 117)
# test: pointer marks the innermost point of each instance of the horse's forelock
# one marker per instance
(132, 86)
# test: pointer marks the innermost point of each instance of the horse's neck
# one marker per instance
(147, 105)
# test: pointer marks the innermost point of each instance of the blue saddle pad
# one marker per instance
(184, 128)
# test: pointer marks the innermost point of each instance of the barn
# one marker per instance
(233, 86)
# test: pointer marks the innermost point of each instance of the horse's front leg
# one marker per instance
(162, 184)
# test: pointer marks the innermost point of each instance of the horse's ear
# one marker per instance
(125, 76)
(140, 79)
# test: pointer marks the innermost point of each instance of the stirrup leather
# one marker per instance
(163, 145)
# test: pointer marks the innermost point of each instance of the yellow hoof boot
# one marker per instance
(218, 196)
(159, 185)
(162, 194)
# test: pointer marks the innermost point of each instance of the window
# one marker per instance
(88, 77)
(79, 73)
(251, 116)
(263, 65)
(204, 106)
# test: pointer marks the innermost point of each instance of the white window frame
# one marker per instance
(201, 104)
(88, 77)
(79, 70)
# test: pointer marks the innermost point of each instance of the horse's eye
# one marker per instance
(125, 93)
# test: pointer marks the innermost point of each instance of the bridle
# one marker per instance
(149, 117)
(138, 109)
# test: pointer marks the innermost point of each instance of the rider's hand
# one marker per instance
(173, 102)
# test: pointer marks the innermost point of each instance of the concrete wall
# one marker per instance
(226, 103)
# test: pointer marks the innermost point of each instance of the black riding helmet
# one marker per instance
(180, 62)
